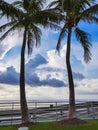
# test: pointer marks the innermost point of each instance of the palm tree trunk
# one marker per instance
(70, 78)
(23, 103)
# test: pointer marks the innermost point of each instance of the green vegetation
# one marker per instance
(92, 125)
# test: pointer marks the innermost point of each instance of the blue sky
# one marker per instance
(46, 75)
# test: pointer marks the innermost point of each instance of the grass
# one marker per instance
(92, 125)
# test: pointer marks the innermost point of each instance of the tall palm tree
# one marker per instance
(75, 11)
(30, 15)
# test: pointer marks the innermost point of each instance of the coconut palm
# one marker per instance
(75, 11)
(30, 14)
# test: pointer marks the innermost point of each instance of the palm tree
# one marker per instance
(27, 19)
(75, 11)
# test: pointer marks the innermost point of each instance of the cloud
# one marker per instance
(10, 76)
(34, 81)
(91, 69)
(87, 90)
(44, 75)
(2, 50)
(77, 64)
(33, 73)
(31, 76)
(7, 44)
(39, 71)
(11, 54)
(92, 72)
(78, 76)
(10, 92)
(59, 60)
(35, 62)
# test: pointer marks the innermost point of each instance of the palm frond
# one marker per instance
(41, 3)
(86, 2)
(8, 32)
(18, 4)
(43, 17)
(5, 26)
(52, 25)
(82, 5)
(89, 15)
(54, 3)
(9, 10)
(35, 6)
(84, 39)
(36, 34)
(62, 35)
(90, 19)
(92, 10)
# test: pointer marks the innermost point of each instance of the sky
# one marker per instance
(46, 74)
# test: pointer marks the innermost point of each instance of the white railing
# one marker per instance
(46, 111)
